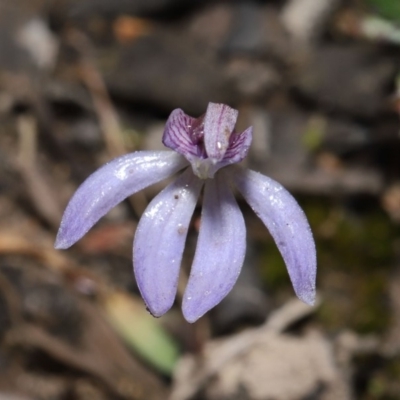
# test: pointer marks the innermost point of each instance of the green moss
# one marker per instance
(273, 268)
(383, 384)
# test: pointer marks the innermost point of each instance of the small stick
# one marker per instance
(108, 118)
(43, 197)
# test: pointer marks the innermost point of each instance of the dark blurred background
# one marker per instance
(82, 82)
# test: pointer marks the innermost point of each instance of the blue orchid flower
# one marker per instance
(206, 150)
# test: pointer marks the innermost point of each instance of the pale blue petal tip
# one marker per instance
(61, 244)
(157, 310)
(307, 296)
(192, 315)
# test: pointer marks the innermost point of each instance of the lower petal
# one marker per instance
(160, 239)
(220, 250)
(287, 224)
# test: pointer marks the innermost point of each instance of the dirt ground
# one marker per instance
(84, 81)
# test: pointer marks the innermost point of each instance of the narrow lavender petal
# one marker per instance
(287, 224)
(177, 134)
(111, 184)
(219, 123)
(160, 240)
(220, 250)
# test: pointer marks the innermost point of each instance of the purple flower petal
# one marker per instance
(177, 134)
(111, 184)
(219, 123)
(238, 147)
(160, 240)
(237, 151)
(220, 250)
(287, 224)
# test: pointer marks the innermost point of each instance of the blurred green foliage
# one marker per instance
(142, 332)
(389, 9)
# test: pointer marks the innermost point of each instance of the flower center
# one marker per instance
(196, 134)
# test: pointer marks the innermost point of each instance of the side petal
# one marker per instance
(238, 147)
(220, 250)
(160, 239)
(287, 224)
(111, 184)
(177, 134)
(219, 123)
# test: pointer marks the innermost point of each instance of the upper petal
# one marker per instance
(111, 184)
(219, 123)
(219, 253)
(287, 224)
(160, 239)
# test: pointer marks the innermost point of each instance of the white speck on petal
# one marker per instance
(275, 201)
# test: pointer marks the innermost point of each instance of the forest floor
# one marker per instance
(82, 82)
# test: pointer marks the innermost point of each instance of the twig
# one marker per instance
(237, 345)
(305, 18)
(108, 118)
(13, 301)
(43, 198)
